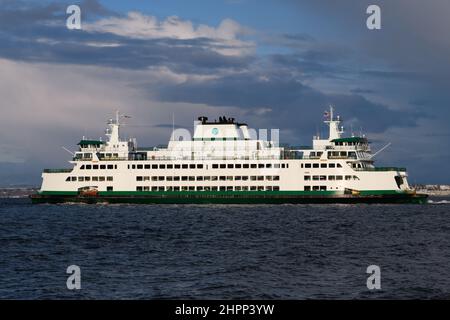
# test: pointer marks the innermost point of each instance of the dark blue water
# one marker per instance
(224, 251)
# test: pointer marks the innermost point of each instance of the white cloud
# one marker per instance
(136, 25)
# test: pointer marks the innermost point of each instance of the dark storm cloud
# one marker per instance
(304, 66)
(414, 33)
(289, 101)
(16, 14)
(362, 91)
(295, 41)
(184, 56)
(399, 75)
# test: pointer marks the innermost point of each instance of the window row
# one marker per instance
(315, 188)
(98, 167)
(214, 166)
(321, 165)
(82, 179)
(208, 178)
(208, 188)
(165, 166)
(331, 178)
(341, 154)
(250, 166)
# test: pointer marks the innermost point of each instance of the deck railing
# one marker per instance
(381, 169)
(57, 170)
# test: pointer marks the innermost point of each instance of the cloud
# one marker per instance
(362, 91)
(224, 39)
(140, 26)
(37, 33)
(286, 97)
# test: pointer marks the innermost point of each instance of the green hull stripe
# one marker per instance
(223, 193)
(231, 197)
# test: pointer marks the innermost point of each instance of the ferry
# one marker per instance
(223, 162)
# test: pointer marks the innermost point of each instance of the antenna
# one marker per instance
(173, 124)
(73, 154)
(372, 156)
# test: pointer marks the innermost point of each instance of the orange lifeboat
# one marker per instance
(88, 191)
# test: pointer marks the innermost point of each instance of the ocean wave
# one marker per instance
(439, 202)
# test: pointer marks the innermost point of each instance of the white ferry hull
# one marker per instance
(221, 163)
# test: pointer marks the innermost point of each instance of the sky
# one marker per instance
(272, 64)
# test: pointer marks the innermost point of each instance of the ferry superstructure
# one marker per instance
(223, 163)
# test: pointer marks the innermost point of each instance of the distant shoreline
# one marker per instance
(435, 193)
(17, 192)
(437, 190)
